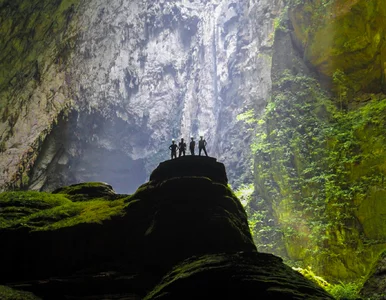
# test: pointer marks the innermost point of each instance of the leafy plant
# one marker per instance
(339, 291)
(345, 291)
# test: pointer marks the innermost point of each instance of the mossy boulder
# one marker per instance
(235, 276)
(40, 211)
(89, 190)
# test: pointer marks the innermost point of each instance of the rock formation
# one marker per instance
(175, 238)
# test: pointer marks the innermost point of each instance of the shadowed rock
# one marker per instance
(240, 275)
(375, 284)
(185, 225)
(188, 166)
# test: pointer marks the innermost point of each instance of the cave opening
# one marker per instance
(86, 147)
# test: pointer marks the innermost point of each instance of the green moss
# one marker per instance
(30, 33)
(87, 191)
(343, 35)
(256, 273)
(39, 211)
(7, 293)
(320, 174)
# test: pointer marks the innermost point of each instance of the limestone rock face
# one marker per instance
(322, 139)
(138, 74)
(38, 39)
(346, 36)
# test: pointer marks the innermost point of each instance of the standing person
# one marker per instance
(192, 145)
(173, 148)
(182, 147)
(202, 146)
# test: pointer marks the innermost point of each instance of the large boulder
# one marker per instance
(235, 276)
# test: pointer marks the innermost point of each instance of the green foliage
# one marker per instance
(244, 193)
(341, 290)
(345, 291)
(344, 86)
(11, 294)
(248, 118)
(41, 211)
(310, 275)
(314, 162)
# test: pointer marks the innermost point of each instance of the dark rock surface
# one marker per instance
(242, 275)
(187, 166)
(88, 191)
(375, 284)
(193, 224)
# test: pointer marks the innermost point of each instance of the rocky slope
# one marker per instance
(122, 79)
(177, 237)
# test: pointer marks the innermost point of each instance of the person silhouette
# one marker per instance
(173, 147)
(192, 145)
(182, 147)
(202, 146)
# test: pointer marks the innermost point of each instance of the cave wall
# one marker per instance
(159, 69)
(320, 158)
(37, 38)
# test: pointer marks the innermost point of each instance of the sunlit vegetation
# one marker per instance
(39, 211)
(319, 167)
(347, 291)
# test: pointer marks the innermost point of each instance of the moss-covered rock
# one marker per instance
(319, 165)
(139, 237)
(7, 293)
(89, 190)
(117, 246)
(37, 211)
(235, 276)
(343, 35)
(37, 39)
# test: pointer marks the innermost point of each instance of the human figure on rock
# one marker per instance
(192, 145)
(182, 147)
(202, 146)
(173, 148)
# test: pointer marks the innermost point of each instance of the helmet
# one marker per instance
(172, 140)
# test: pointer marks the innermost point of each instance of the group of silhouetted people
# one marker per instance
(181, 147)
